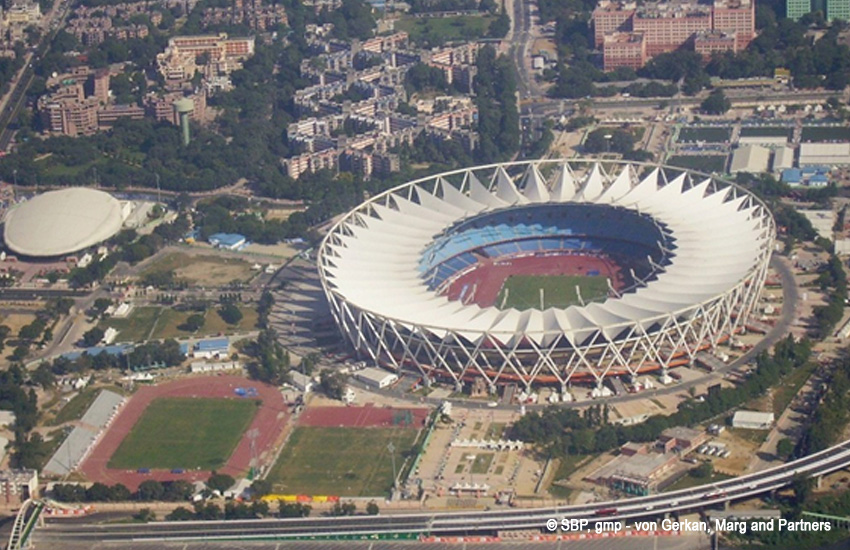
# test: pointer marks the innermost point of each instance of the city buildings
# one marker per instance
(833, 9)
(214, 55)
(16, 486)
(629, 34)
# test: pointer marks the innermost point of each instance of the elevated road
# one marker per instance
(460, 523)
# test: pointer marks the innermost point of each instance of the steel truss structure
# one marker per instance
(370, 269)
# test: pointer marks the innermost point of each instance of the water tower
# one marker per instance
(182, 108)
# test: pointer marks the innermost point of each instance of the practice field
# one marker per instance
(523, 291)
(340, 461)
(705, 133)
(185, 433)
(825, 133)
(152, 322)
(200, 270)
(766, 131)
(702, 163)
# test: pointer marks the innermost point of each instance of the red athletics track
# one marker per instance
(490, 274)
(269, 420)
(367, 416)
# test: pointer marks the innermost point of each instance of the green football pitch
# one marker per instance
(340, 461)
(523, 291)
(185, 433)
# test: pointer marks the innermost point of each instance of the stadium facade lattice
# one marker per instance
(407, 273)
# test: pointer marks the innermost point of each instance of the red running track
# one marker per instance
(488, 277)
(367, 416)
(269, 420)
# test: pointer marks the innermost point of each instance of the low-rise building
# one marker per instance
(752, 420)
(302, 382)
(378, 378)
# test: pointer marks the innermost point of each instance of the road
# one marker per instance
(521, 37)
(554, 107)
(458, 523)
(14, 100)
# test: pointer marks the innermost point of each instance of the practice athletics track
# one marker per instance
(367, 416)
(269, 421)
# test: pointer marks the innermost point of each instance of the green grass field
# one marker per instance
(438, 31)
(340, 461)
(706, 134)
(766, 131)
(145, 323)
(825, 133)
(523, 291)
(185, 433)
(702, 163)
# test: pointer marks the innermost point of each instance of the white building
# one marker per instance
(750, 158)
(783, 158)
(18, 485)
(302, 382)
(7, 418)
(216, 366)
(109, 336)
(378, 378)
(824, 154)
(752, 420)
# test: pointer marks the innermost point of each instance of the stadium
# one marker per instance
(62, 222)
(546, 272)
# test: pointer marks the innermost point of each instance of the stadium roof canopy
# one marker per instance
(62, 222)
(370, 258)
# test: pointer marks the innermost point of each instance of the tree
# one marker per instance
(193, 323)
(93, 337)
(145, 515)
(43, 376)
(343, 509)
(120, 493)
(230, 313)
(101, 305)
(180, 514)
(703, 471)
(372, 508)
(99, 492)
(220, 482)
(716, 103)
(332, 383)
(293, 510)
(261, 488)
(784, 448)
(150, 489)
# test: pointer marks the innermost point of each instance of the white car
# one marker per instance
(492, 404)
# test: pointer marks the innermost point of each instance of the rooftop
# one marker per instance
(212, 344)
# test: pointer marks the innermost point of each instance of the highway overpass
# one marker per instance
(458, 523)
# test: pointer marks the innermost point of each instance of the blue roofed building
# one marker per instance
(116, 349)
(211, 347)
(229, 241)
(792, 176)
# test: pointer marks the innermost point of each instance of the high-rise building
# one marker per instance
(838, 9)
(795, 9)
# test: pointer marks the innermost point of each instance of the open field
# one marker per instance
(202, 270)
(340, 461)
(145, 323)
(688, 480)
(523, 291)
(766, 131)
(181, 432)
(282, 213)
(825, 133)
(701, 163)
(437, 31)
(15, 321)
(706, 134)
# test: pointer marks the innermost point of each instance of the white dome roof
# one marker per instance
(62, 222)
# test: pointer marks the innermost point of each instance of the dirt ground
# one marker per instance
(282, 213)
(280, 250)
(17, 320)
(214, 271)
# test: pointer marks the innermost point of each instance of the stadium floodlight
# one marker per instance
(687, 256)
